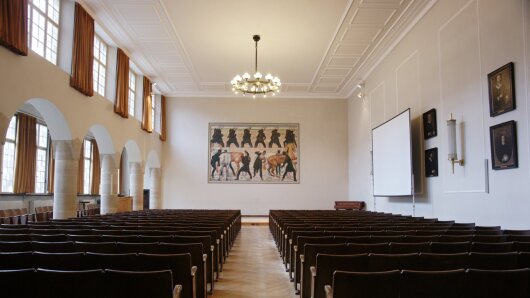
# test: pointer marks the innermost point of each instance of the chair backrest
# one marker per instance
(386, 262)
(497, 283)
(122, 261)
(60, 261)
(49, 237)
(95, 247)
(440, 262)
(491, 247)
(432, 284)
(420, 238)
(450, 247)
(56, 283)
(493, 261)
(366, 284)
(15, 237)
(378, 248)
(179, 264)
(16, 260)
(517, 232)
(456, 238)
(138, 284)
(14, 283)
(14, 246)
(63, 246)
(327, 264)
(404, 248)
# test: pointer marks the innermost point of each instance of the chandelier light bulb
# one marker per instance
(257, 75)
(246, 76)
(268, 77)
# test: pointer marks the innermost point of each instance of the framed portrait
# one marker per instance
(429, 124)
(431, 162)
(503, 140)
(253, 153)
(501, 85)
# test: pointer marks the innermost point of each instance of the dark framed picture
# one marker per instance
(501, 85)
(431, 162)
(429, 124)
(503, 140)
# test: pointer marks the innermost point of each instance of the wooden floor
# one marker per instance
(254, 268)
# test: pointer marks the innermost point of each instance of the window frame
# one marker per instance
(153, 110)
(45, 151)
(48, 21)
(87, 185)
(98, 79)
(131, 93)
(14, 142)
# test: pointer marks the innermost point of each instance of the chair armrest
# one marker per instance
(217, 241)
(176, 291)
(193, 270)
(204, 257)
(295, 248)
(302, 258)
(313, 271)
(329, 291)
(291, 241)
(212, 247)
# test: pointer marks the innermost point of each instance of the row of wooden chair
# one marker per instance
(14, 216)
(471, 283)
(42, 283)
(183, 273)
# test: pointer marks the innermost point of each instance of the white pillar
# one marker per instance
(155, 198)
(65, 186)
(109, 184)
(1, 162)
(136, 185)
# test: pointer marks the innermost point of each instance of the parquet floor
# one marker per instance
(254, 268)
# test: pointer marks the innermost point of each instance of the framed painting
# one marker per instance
(501, 85)
(431, 162)
(258, 153)
(429, 124)
(503, 141)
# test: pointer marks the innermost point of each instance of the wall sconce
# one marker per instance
(361, 93)
(451, 143)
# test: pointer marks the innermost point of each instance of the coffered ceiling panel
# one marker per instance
(193, 48)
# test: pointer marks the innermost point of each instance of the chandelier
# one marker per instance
(257, 84)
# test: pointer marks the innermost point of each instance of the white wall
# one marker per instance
(443, 63)
(323, 154)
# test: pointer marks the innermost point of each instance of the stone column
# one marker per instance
(65, 186)
(155, 198)
(136, 185)
(109, 184)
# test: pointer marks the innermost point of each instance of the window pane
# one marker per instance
(53, 10)
(88, 149)
(86, 176)
(43, 21)
(8, 166)
(40, 174)
(12, 129)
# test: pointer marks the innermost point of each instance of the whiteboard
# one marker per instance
(392, 157)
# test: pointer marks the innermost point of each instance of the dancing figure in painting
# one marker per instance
(258, 164)
(246, 138)
(246, 166)
(260, 139)
(289, 167)
(232, 138)
(214, 162)
(217, 137)
(275, 139)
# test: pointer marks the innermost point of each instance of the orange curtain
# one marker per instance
(147, 122)
(81, 170)
(51, 168)
(26, 154)
(163, 135)
(13, 25)
(96, 168)
(83, 52)
(121, 105)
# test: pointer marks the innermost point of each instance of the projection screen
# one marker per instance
(392, 157)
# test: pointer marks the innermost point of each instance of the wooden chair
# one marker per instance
(493, 261)
(404, 248)
(140, 284)
(450, 247)
(491, 247)
(441, 262)
(14, 283)
(432, 284)
(56, 283)
(364, 284)
(327, 264)
(497, 283)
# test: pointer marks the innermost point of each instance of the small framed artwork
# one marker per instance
(503, 140)
(429, 124)
(501, 85)
(431, 162)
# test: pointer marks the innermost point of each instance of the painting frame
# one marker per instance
(501, 90)
(274, 146)
(430, 129)
(503, 143)
(431, 162)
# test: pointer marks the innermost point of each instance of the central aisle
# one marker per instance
(254, 268)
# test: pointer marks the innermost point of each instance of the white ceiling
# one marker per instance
(318, 48)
